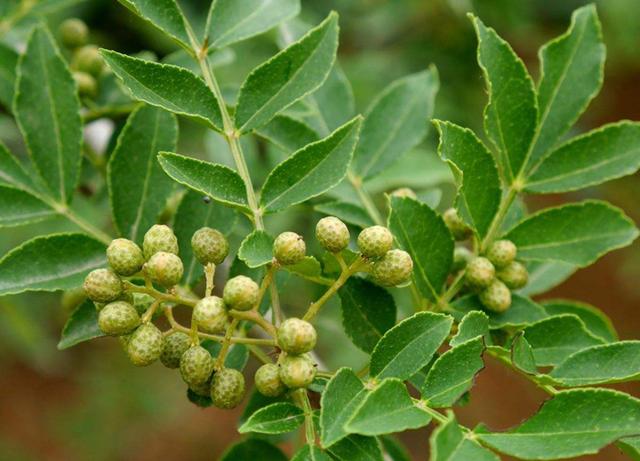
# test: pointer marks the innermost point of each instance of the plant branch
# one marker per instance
(226, 344)
(209, 274)
(159, 295)
(303, 400)
(255, 317)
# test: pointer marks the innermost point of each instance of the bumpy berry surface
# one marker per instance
(159, 238)
(87, 85)
(375, 241)
(268, 381)
(124, 257)
(174, 346)
(102, 286)
(514, 275)
(142, 302)
(297, 371)
(196, 366)
(165, 269)
(496, 297)
(145, 345)
(118, 318)
(289, 248)
(461, 257)
(404, 192)
(87, 59)
(502, 253)
(227, 388)
(332, 234)
(480, 273)
(393, 269)
(210, 314)
(456, 225)
(296, 336)
(73, 33)
(240, 293)
(209, 246)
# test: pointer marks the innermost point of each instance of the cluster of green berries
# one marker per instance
(86, 62)
(390, 267)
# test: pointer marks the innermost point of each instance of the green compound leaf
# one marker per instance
(192, 214)
(48, 112)
(219, 182)
(572, 423)
(18, 207)
(368, 311)
(609, 152)
(163, 14)
(572, 68)
(173, 88)
(62, 262)
(452, 374)
(357, 448)
(288, 76)
(577, 234)
(12, 173)
(252, 450)
(395, 122)
(256, 249)
(556, 338)
(346, 211)
(277, 418)
(523, 311)
(472, 325)
(231, 21)
(388, 408)
(608, 363)
(311, 453)
(545, 275)
(522, 356)
(423, 234)
(511, 114)
(475, 173)
(342, 395)
(312, 170)
(81, 326)
(409, 346)
(8, 64)
(287, 133)
(138, 188)
(594, 319)
(448, 442)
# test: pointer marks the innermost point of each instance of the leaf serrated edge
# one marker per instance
(245, 242)
(585, 306)
(246, 426)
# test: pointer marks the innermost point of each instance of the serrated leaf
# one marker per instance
(472, 325)
(287, 133)
(452, 374)
(288, 76)
(572, 68)
(395, 122)
(138, 187)
(594, 319)
(252, 450)
(231, 21)
(47, 110)
(572, 423)
(523, 311)
(545, 275)
(18, 207)
(511, 114)
(449, 443)
(8, 64)
(556, 338)
(346, 211)
(173, 88)
(409, 346)
(277, 418)
(522, 356)
(609, 152)
(368, 311)
(310, 171)
(388, 408)
(308, 267)
(81, 326)
(311, 453)
(219, 182)
(609, 363)
(578, 233)
(62, 262)
(163, 14)
(12, 173)
(475, 173)
(423, 234)
(357, 448)
(256, 249)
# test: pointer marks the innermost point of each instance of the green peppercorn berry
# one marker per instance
(124, 257)
(87, 86)
(145, 345)
(514, 275)
(268, 381)
(73, 33)
(332, 234)
(296, 336)
(502, 253)
(461, 257)
(87, 59)
(375, 241)
(456, 225)
(118, 318)
(496, 297)
(393, 269)
(227, 388)
(142, 302)
(102, 286)
(203, 390)
(479, 273)
(165, 269)
(240, 293)
(289, 248)
(210, 314)
(209, 246)
(297, 371)
(159, 238)
(196, 366)
(174, 346)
